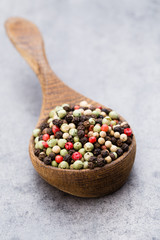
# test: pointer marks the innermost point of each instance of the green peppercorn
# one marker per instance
(52, 113)
(82, 151)
(85, 164)
(61, 113)
(50, 120)
(88, 147)
(48, 151)
(97, 128)
(63, 165)
(36, 145)
(36, 139)
(58, 108)
(65, 105)
(95, 113)
(52, 142)
(88, 155)
(54, 164)
(73, 132)
(113, 122)
(78, 164)
(40, 145)
(65, 127)
(113, 115)
(76, 139)
(63, 152)
(76, 113)
(92, 121)
(62, 142)
(106, 121)
(115, 154)
(36, 132)
(71, 166)
(77, 145)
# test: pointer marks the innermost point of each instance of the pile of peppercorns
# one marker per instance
(81, 137)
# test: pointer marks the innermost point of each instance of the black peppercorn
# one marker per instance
(40, 137)
(43, 126)
(126, 125)
(119, 142)
(71, 151)
(90, 165)
(125, 147)
(129, 140)
(92, 159)
(57, 122)
(52, 155)
(70, 139)
(37, 152)
(45, 131)
(112, 156)
(119, 152)
(83, 118)
(76, 120)
(80, 127)
(69, 118)
(122, 130)
(86, 124)
(41, 156)
(80, 133)
(113, 140)
(99, 121)
(97, 151)
(117, 129)
(67, 158)
(83, 140)
(66, 108)
(104, 153)
(47, 160)
(92, 108)
(100, 162)
(105, 110)
(97, 145)
(58, 134)
(107, 138)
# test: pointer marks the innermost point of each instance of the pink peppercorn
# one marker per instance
(46, 137)
(69, 145)
(128, 132)
(76, 156)
(45, 144)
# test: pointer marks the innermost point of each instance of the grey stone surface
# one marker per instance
(109, 51)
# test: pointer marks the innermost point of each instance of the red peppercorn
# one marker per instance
(105, 128)
(69, 145)
(92, 139)
(103, 147)
(91, 127)
(76, 156)
(76, 107)
(86, 135)
(46, 137)
(45, 144)
(55, 129)
(100, 107)
(58, 158)
(128, 132)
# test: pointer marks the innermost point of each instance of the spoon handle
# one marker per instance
(27, 39)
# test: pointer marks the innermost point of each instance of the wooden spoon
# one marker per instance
(83, 183)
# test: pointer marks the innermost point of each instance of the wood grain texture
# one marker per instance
(83, 183)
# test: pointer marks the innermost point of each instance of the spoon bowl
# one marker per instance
(97, 182)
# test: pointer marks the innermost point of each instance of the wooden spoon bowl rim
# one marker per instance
(119, 159)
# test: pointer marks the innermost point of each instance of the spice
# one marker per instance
(81, 137)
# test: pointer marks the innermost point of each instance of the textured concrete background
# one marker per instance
(111, 48)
